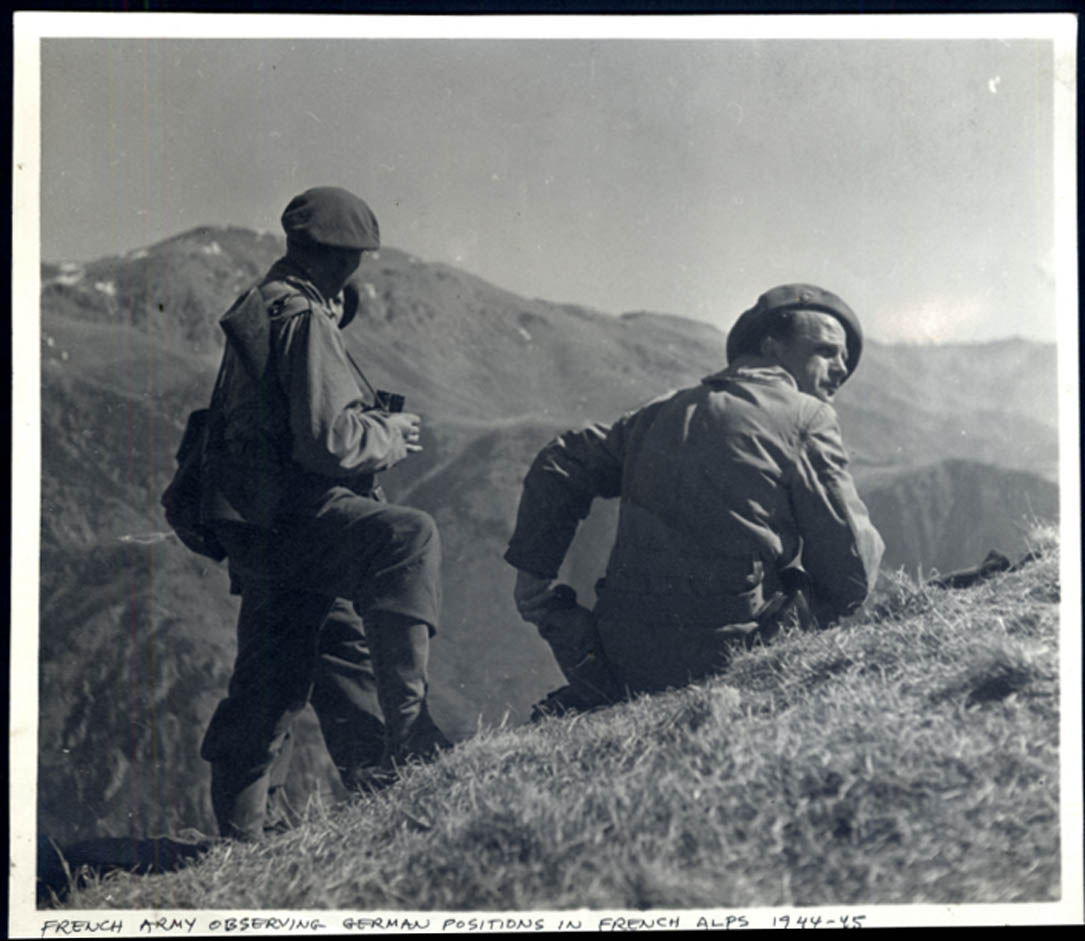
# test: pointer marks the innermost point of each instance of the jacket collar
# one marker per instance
(752, 368)
(285, 269)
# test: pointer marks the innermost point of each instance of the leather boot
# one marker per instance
(240, 805)
(400, 649)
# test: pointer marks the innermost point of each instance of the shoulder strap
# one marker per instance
(361, 375)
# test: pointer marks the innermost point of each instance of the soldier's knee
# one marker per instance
(418, 532)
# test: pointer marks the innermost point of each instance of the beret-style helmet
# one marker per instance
(332, 216)
(746, 335)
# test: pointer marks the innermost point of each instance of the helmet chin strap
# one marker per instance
(361, 375)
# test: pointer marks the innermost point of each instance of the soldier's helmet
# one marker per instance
(750, 328)
(331, 216)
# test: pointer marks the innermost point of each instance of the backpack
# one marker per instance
(181, 499)
(246, 326)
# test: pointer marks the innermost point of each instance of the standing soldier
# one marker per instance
(313, 547)
(737, 516)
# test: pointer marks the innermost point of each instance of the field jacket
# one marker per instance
(724, 486)
(290, 421)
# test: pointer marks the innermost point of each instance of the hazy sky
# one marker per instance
(913, 177)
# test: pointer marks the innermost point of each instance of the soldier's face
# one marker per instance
(816, 353)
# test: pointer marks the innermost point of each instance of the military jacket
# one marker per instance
(723, 486)
(291, 421)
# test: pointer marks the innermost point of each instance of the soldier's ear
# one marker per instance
(770, 347)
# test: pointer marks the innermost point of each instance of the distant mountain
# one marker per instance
(137, 634)
(168, 291)
(949, 515)
(991, 402)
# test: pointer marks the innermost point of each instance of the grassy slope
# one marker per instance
(910, 756)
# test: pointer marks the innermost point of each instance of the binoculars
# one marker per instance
(389, 401)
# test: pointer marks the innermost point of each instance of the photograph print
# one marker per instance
(581, 472)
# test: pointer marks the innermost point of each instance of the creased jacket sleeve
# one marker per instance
(563, 480)
(332, 433)
(841, 548)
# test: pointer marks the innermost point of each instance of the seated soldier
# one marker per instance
(737, 514)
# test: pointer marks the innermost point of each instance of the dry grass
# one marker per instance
(910, 756)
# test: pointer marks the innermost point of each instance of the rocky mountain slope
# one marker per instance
(136, 633)
(948, 515)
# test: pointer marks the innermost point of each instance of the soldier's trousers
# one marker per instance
(650, 656)
(381, 556)
(301, 639)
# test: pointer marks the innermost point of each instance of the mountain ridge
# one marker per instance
(51, 269)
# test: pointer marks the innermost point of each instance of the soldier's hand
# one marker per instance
(410, 426)
(532, 595)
